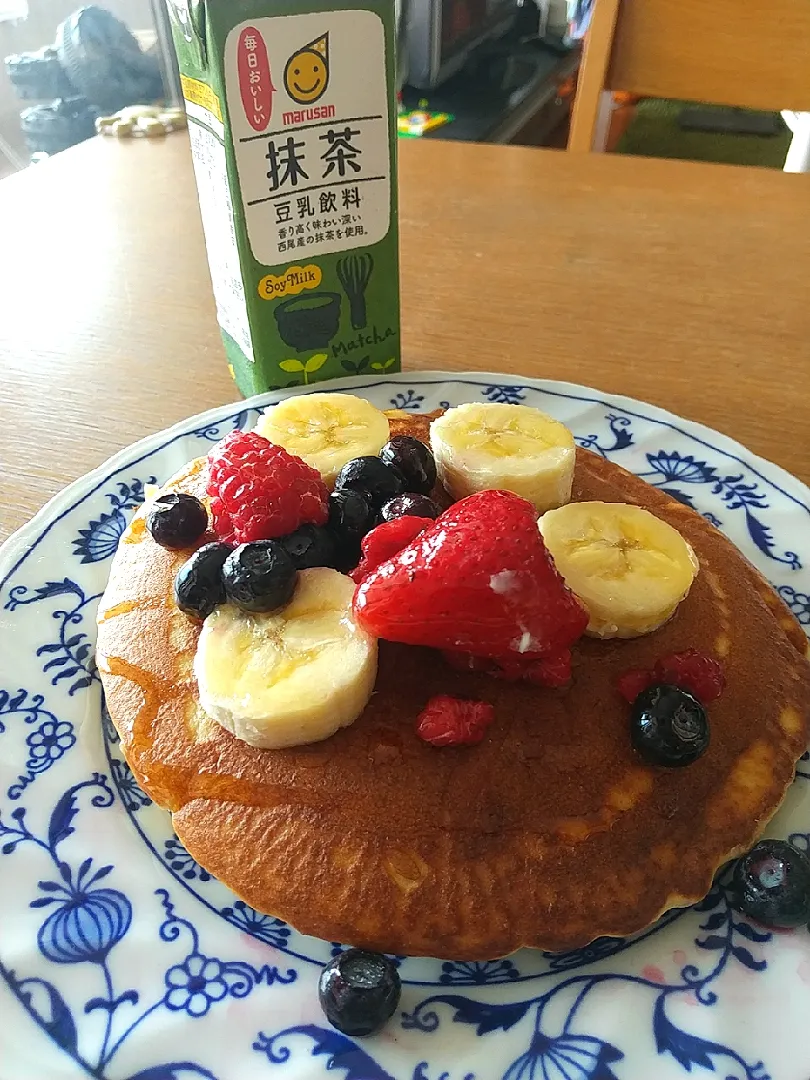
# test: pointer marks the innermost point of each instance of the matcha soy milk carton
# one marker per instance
(292, 119)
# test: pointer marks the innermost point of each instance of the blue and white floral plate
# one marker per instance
(122, 959)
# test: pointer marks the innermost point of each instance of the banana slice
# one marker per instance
(289, 677)
(326, 430)
(629, 568)
(513, 447)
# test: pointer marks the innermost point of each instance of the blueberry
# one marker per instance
(176, 521)
(259, 576)
(369, 474)
(198, 586)
(772, 884)
(359, 991)
(413, 460)
(669, 726)
(411, 506)
(310, 546)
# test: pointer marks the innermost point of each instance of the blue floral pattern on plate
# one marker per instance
(96, 879)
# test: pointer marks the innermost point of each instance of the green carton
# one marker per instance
(292, 119)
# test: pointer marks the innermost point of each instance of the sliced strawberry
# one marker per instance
(382, 543)
(479, 580)
(551, 670)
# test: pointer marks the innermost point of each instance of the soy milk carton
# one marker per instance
(292, 119)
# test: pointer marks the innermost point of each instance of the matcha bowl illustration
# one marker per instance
(309, 321)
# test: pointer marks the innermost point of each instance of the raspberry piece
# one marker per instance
(449, 721)
(259, 491)
(701, 675)
(386, 541)
(553, 670)
(633, 682)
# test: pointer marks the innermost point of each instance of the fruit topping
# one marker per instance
(259, 576)
(359, 991)
(772, 884)
(198, 586)
(629, 568)
(325, 430)
(553, 670)
(351, 515)
(450, 721)
(514, 447)
(385, 541)
(291, 676)
(259, 491)
(701, 675)
(409, 504)
(176, 521)
(414, 462)
(479, 580)
(310, 546)
(669, 726)
(368, 474)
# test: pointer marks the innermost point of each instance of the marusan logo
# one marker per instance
(306, 79)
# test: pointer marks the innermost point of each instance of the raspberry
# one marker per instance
(552, 670)
(701, 675)
(259, 491)
(633, 682)
(690, 670)
(449, 721)
(386, 541)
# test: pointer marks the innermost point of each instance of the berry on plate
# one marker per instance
(359, 991)
(176, 521)
(311, 546)
(450, 721)
(479, 580)
(413, 460)
(259, 576)
(414, 505)
(259, 491)
(772, 884)
(669, 727)
(198, 586)
(701, 675)
(553, 670)
(371, 475)
(385, 541)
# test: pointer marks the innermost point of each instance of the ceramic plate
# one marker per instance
(122, 959)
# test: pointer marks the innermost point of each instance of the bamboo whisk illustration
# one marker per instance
(354, 273)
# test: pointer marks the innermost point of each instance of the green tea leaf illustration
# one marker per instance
(291, 365)
(316, 362)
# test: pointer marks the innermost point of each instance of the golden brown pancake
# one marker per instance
(549, 833)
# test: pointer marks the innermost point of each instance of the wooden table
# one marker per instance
(684, 285)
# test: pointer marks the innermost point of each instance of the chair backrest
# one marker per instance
(750, 53)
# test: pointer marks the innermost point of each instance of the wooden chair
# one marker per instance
(749, 53)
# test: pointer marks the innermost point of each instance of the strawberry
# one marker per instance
(385, 541)
(449, 721)
(551, 670)
(478, 580)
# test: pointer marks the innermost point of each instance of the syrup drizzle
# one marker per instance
(141, 603)
(178, 786)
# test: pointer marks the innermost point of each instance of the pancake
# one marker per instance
(549, 833)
